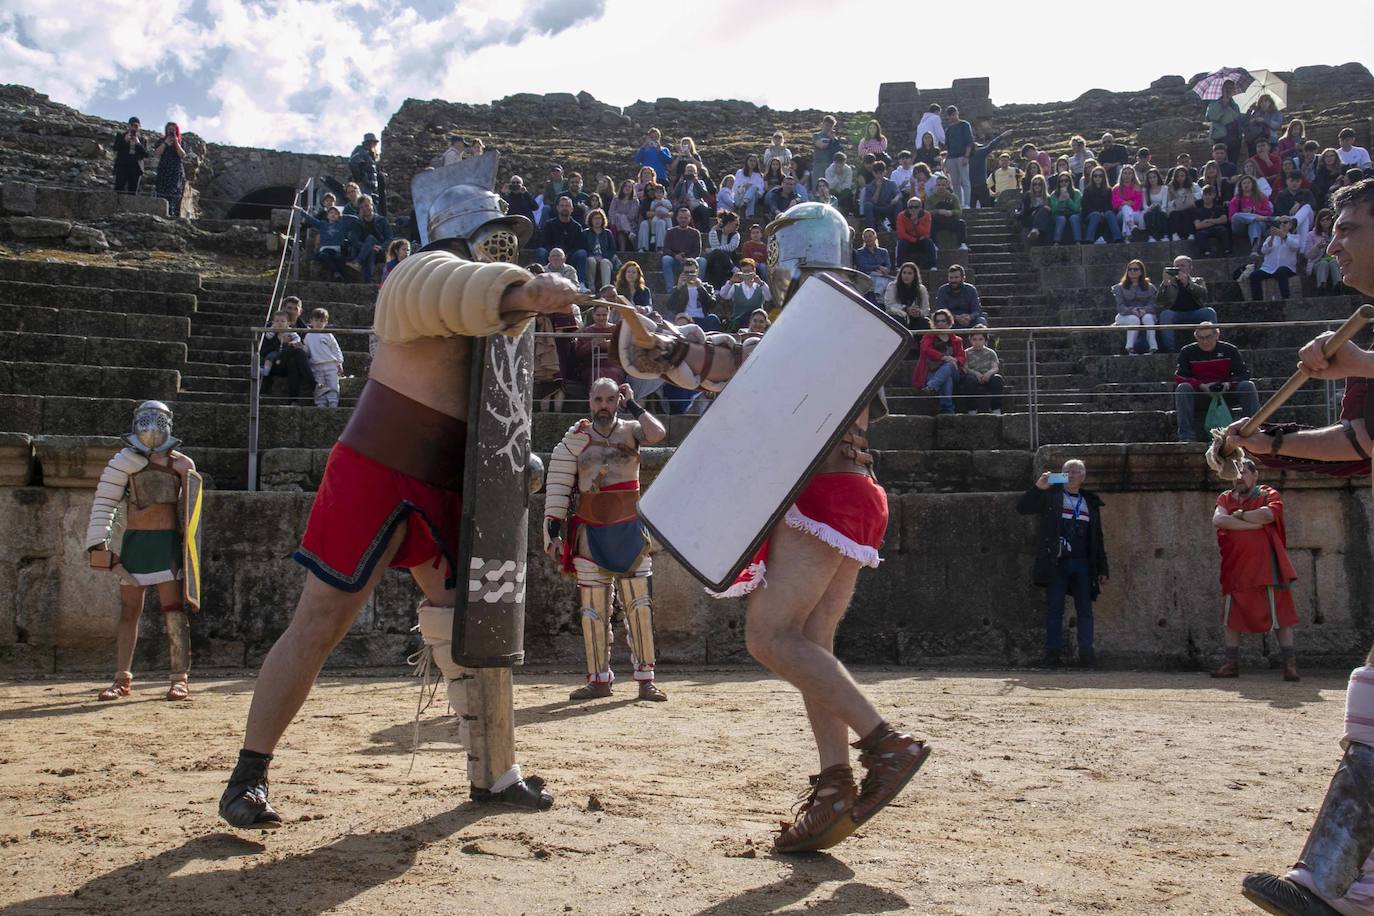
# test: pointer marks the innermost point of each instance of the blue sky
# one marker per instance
(313, 76)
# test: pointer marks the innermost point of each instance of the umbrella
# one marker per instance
(1209, 87)
(1265, 82)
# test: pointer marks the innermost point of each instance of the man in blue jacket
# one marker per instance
(654, 154)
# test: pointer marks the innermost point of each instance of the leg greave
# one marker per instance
(595, 616)
(178, 628)
(1343, 835)
(639, 618)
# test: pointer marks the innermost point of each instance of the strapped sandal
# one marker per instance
(123, 683)
(179, 690)
(891, 759)
(824, 813)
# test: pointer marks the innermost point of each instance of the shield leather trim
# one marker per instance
(191, 503)
(672, 515)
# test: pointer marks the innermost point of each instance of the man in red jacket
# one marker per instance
(1255, 570)
(1211, 367)
(913, 236)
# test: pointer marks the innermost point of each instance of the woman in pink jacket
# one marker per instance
(1126, 201)
(1250, 211)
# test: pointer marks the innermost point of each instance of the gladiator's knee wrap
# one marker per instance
(178, 628)
(436, 629)
(1359, 706)
(1343, 835)
(636, 594)
(595, 616)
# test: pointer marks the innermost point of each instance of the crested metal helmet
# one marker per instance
(151, 430)
(807, 238)
(478, 217)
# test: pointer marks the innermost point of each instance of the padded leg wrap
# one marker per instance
(595, 617)
(178, 642)
(1359, 706)
(1343, 835)
(436, 629)
(639, 619)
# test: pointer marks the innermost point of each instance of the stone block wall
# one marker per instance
(900, 106)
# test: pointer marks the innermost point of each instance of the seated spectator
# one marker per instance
(981, 383)
(1144, 161)
(1112, 157)
(1065, 207)
(1249, 211)
(1262, 123)
(646, 178)
(931, 123)
(519, 201)
(1352, 156)
(581, 200)
(722, 248)
(745, 293)
(1290, 167)
(690, 194)
(874, 142)
(283, 356)
(1280, 251)
(692, 296)
(332, 238)
(1134, 296)
(1097, 210)
(749, 187)
(1182, 299)
(756, 249)
(1294, 137)
(1083, 181)
(595, 357)
(779, 151)
(558, 266)
(874, 261)
(922, 182)
(1005, 178)
(1180, 207)
(907, 299)
(1211, 178)
(562, 231)
(1206, 368)
(901, 174)
(1061, 167)
(822, 194)
(1185, 161)
(396, 252)
(652, 154)
(773, 175)
(553, 359)
(961, 300)
(1032, 171)
(656, 216)
(1267, 162)
(1079, 154)
(1127, 201)
(779, 199)
(725, 194)
(327, 201)
(758, 325)
(940, 363)
(600, 248)
(368, 234)
(630, 285)
(351, 194)
(682, 244)
(624, 216)
(1295, 202)
(1212, 225)
(555, 187)
(928, 151)
(1041, 158)
(1154, 197)
(881, 199)
(1322, 267)
(840, 177)
(1307, 162)
(1034, 214)
(475, 148)
(605, 189)
(914, 242)
(945, 211)
(1248, 167)
(1227, 171)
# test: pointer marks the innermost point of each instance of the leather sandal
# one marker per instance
(1290, 670)
(648, 690)
(123, 684)
(179, 690)
(1228, 669)
(591, 690)
(891, 758)
(824, 815)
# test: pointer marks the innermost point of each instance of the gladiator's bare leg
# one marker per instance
(801, 569)
(323, 615)
(832, 735)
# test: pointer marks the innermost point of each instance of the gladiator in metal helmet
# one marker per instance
(808, 238)
(152, 429)
(457, 203)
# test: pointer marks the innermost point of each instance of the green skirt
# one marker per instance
(151, 557)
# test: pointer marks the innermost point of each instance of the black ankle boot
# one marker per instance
(244, 803)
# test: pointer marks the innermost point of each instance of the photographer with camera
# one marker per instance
(1210, 367)
(129, 153)
(1280, 250)
(1070, 556)
(1182, 299)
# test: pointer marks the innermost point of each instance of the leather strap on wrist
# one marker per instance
(1276, 443)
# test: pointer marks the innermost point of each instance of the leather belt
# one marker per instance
(408, 436)
(607, 507)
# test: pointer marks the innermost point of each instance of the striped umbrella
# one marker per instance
(1209, 87)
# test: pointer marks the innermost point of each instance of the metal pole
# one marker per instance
(1032, 392)
(254, 402)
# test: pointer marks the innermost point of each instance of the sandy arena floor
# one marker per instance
(1065, 793)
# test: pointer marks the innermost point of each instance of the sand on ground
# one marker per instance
(1047, 793)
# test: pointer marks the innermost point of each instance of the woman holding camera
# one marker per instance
(171, 173)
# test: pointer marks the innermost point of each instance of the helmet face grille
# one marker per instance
(152, 427)
(497, 245)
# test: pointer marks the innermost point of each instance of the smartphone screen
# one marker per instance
(1059, 478)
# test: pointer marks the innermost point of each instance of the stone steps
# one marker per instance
(143, 302)
(64, 273)
(45, 377)
(34, 319)
(92, 351)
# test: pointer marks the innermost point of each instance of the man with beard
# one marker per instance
(604, 539)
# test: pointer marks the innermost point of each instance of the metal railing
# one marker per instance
(1029, 375)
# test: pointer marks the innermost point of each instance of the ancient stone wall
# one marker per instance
(900, 105)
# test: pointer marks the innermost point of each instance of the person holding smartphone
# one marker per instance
(1070, 556)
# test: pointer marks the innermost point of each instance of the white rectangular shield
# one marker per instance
(815, 370)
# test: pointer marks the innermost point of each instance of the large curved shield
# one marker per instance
(191, 499)
(815, 370)
(489, 618)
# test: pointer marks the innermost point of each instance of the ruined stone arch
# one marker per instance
(249, 182)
